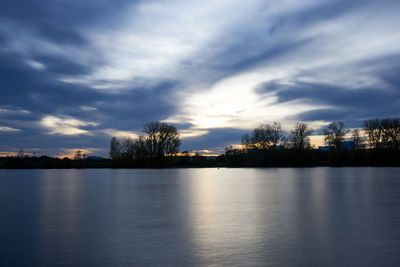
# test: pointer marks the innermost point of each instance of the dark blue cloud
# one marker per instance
(57, 65)
(42, 94)
(325, 94)
(322, 12)
(131, 109)
(241, 56)
(61, 21)
(24, 86)
(348, 104)
(3, 40)
(269, 38)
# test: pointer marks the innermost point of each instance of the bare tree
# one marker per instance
(285, 142)
(78, 155)
(245, 142)
(160, 139)
(127, 148)
(356, 139)
(373, 130)
(230, 150)
(21, 153)
(115, 149)
(390, 134)
(275, 133)
(335, 134)
(263, 137)
(299, 138)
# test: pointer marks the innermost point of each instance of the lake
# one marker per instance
(200, 217)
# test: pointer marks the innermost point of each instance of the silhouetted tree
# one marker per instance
(390, 128)
(334, 135)
(263, 137)
(230, 150)
(127, 148)
(356, 139)
(245, 142)
(299, 138)
(157, 141)
(115, 149)
(285, 142)
(384, 133)
(160, 139)
(78, 155)
(21, 153)
(373, 130)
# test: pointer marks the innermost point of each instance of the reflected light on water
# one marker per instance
(232, 224)
(200, 217)
(61, 211)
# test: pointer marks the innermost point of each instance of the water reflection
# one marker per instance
(150, 218)
(310, 217)
(63, 216)
(194, 217)
(224, 218)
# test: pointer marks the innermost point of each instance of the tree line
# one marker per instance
(266, 145)
(156, 146)
(378, 144)
(380, 134)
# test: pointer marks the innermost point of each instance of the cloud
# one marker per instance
(65, 125)
(13, 110)
(235, 103)
(35, 64)
(8, 129)
(120, 134)
(88, 108)
(152, 42)
(191, 133)
(184, 133)
(63, 21)
(347, 104)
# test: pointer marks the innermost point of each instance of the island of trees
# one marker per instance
(266, 146)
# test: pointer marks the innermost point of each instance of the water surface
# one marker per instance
(200, 217)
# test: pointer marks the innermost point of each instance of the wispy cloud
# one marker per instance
(65, 125)
(8, 129)
(88, 108)
(13, 110)
(120, 133)
(190, 133)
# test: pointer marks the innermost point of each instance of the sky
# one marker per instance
(75, 73)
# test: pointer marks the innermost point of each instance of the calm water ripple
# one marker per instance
(200, 217)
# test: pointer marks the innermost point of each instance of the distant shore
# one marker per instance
(233, 159)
